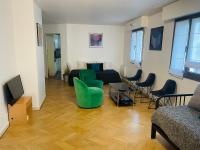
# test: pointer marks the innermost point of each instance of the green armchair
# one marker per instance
(87, 97)
(89, 77)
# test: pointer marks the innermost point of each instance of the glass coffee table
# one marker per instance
(120, 94)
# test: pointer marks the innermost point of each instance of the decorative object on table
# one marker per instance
(96, 40)
(39, 34)
(156, 38)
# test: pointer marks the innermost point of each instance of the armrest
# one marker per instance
(95, 83)
(178, 97)
(94, 91)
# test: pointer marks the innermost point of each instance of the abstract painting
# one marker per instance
(156, 38)
(96, 40)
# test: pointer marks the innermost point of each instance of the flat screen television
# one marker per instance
(14, 90)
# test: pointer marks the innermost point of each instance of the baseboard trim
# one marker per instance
(3, 130)
(36, 108)
(43, 101)
(39, 107)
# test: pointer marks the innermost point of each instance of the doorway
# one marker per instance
(53, 56)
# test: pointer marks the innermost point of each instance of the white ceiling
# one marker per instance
(97, 11)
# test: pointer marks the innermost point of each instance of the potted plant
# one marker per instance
(66, 73)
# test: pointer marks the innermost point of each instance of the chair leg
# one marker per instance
(149, 91)
(153, 100)
(146, 95)
(141, 92)
(136, 92)
(153, 132)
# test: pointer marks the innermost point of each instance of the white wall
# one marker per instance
(75, 44)
(19, 53)
(61, 29)
(40, 59)
(7, 57)
(157, 61)
(28, 55)
(78, 44)
(180, 8)
(137, 23)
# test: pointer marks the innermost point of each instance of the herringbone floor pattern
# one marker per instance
(61, 125)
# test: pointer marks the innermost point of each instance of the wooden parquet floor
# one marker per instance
(61, 125)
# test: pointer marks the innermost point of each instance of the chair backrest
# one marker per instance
(150, 79)
(169, 87)
(87, 74)
(80, 88)
(138, 75)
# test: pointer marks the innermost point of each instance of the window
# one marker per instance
(179, 47)
(136, 46)
(185, 59)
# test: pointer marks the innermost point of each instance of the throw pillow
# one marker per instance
(107, 65)
(95, 66)
(81, 65)
(195, 100)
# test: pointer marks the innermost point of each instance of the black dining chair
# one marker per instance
(168, 88)
(132, 80)
(136, 77)
(147, 84)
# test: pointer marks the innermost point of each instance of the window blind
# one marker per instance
(180, 42)
(136, 46)
(193, 55)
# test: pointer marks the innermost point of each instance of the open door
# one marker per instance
(53, 56)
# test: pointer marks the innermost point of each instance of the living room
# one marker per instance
(57, 120)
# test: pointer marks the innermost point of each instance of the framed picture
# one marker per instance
(156, 38)
(39, 34)
(96, 40)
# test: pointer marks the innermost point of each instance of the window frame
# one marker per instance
(176, 20)
(186, 74)
(136, 30)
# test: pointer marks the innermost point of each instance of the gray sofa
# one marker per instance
(179, 125)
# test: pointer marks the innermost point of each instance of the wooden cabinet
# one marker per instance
(21, 110)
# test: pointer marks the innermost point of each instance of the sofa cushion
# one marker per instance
(195, 100)
(107, 65)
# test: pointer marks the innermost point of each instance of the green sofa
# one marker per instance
(87, 97)
(89, 78)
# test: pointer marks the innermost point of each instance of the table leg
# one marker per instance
(110, 91)
(117, 99)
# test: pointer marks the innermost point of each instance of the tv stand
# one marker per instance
(21, 110)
